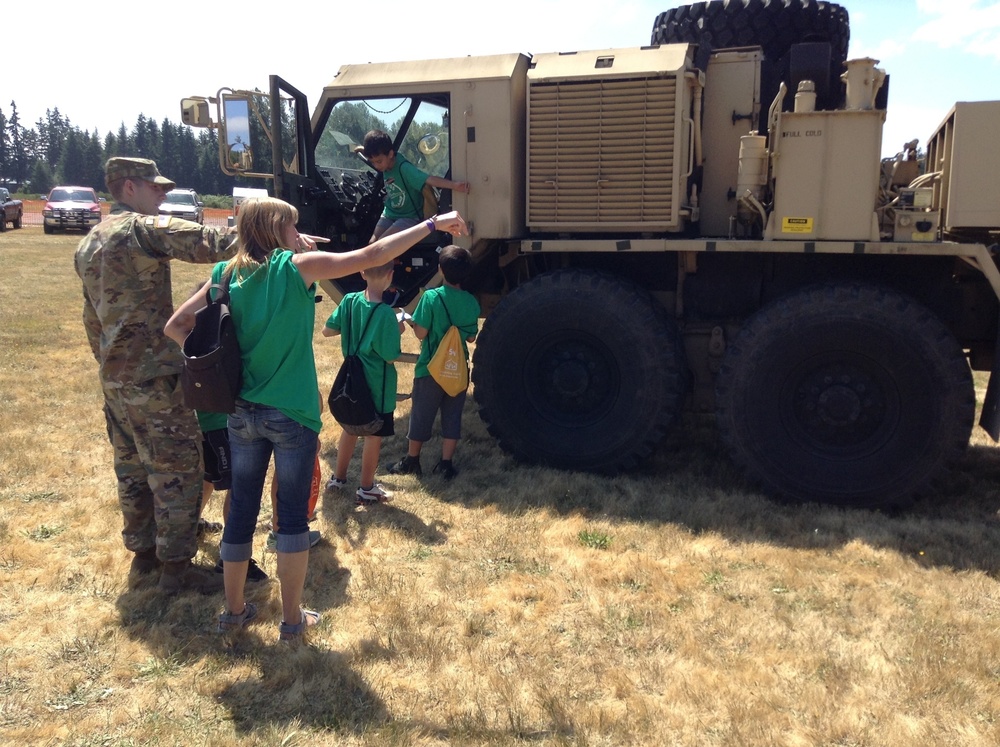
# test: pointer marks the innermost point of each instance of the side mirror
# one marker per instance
(236, 112)
(195, 112)
(429, 144)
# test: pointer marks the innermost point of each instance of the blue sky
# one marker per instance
(106, 69)
(936, 52)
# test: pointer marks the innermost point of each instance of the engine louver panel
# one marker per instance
(601, 155)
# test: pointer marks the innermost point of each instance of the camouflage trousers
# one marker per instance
(158, 462)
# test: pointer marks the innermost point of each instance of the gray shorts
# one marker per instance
(389, 226)
(428, 397)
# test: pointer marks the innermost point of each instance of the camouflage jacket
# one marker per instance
(124, 263)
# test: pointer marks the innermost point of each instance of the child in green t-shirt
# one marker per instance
(378, 348)
(439, 309)
(404, 182)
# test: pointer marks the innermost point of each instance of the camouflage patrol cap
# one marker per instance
(135, 168)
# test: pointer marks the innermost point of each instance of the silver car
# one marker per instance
(184, 203)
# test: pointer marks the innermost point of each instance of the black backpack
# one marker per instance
(350, 398)
(213, 368)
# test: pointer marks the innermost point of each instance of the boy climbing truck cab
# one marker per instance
(681, 226)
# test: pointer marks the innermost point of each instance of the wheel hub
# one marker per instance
(571, 378)
(839, 405)
(574, 379)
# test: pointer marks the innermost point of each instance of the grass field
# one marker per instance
(515, 605)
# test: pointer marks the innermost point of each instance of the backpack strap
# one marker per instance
(363, 330)
(223, 295)
(452, 324)
(406, 188)
(446, 314)
(362, 337)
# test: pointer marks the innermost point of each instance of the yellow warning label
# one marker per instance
(796, 225)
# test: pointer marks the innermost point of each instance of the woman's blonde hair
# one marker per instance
(260, 223)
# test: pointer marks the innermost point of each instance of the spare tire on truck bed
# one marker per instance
(772, 25)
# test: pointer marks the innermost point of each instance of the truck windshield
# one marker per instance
(425, 143)
(70, 195)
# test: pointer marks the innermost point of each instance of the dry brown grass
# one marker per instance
(516, 605)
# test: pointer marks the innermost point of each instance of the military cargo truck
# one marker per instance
(704, 222)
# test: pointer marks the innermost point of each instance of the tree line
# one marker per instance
(54, 151)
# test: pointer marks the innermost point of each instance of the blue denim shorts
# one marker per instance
(255, 433)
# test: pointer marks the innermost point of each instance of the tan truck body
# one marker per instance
(657, 229)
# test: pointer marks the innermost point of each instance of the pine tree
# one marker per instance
(187, 151)
(93, 161)
(18, 170)
(4, 148)
(41, 178)
(140, 138)
(51, 136)
(168, 160)
(72, 168)
(125, 143)
(110, 147)
(154, 148)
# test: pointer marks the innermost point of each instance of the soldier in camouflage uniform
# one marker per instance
(124, 263)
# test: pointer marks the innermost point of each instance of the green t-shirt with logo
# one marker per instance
(274, 315)
(432, 313)
(403, 198)
(379, 345)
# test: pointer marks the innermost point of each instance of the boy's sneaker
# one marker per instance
(446, 469)
(254, 572)
(208, 527)
(372, 495)
(408, 465)
(335, 483)
(272, 540)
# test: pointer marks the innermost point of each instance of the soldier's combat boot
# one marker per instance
(183, 575)
(144, 562)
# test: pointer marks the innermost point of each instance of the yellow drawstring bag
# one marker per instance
(448, 366)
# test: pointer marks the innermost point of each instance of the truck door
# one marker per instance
(264, 136)
(292, 158)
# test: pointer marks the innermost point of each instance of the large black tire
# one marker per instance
(773, 25)
(579, 370)
(853, 395)
(17, 220)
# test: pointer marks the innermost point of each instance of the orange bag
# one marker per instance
(314, 489)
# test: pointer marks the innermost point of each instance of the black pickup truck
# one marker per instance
(13, 210)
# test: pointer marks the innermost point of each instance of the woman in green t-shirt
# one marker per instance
(272, 305)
